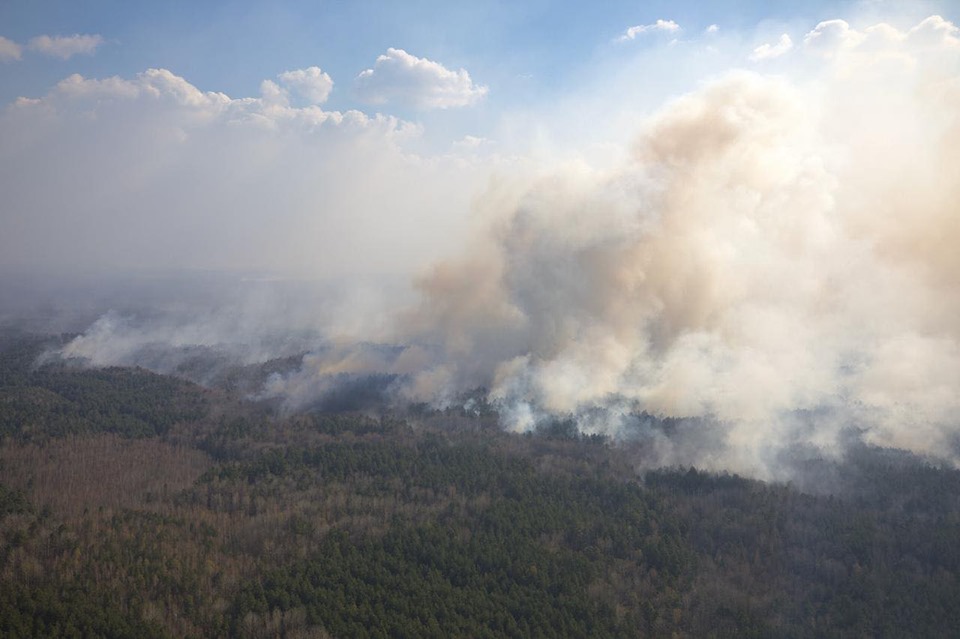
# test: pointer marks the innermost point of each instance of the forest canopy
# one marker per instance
(134, 504)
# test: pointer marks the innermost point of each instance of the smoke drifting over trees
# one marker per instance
(775, 253)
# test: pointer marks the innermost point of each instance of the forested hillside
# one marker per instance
(139, 505)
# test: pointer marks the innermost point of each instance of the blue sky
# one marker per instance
(524, 51)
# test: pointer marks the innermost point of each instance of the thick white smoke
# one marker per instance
(775, 247)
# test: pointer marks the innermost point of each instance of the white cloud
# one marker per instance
(77, 86)
(666, 26)
(422, 83)
(713, 28)
(935, 31)
(830, 36)
(769, 51)
(834, 36)
(884, 49)
(153, 84)
(471, 145)
(65, 47)
(271, 94)
(9, 50)
(311, 83)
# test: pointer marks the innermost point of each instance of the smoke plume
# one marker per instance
(777, 256)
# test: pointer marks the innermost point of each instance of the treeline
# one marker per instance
(242, 523)
(54, 399)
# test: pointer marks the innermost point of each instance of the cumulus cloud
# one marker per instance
(65, 47)
(472, 144)
(935, 31)
(884, 49)
(9, 50)
(311, 83)
(663, 26)
(830, 36)
(837, 37)
(151, 86)
(769, 51)
(400, 77)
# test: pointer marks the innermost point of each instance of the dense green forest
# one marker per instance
(140, 505)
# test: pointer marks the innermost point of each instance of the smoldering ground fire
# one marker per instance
(774, 245)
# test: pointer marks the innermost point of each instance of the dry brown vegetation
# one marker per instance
(100, 471)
